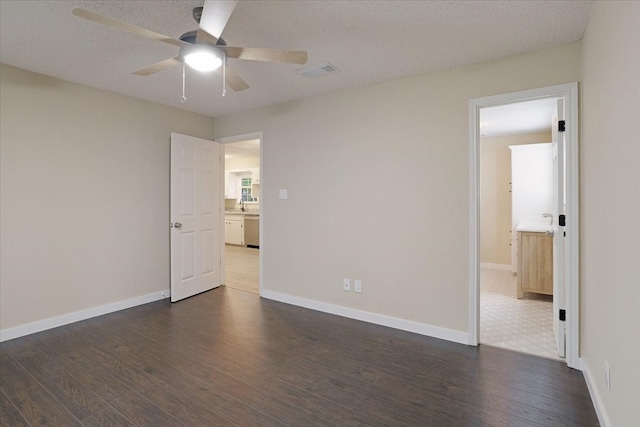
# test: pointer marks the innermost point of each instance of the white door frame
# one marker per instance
(570, 94)
(238, 138)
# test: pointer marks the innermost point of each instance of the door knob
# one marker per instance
(177, 225)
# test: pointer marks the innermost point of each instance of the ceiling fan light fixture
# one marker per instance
(202, 58)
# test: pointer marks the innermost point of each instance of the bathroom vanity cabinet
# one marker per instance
(535, 262)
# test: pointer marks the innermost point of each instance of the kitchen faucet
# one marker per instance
(241, 205)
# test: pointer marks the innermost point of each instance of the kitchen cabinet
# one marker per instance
(231, 187)
(535, 262)
(255, 176)
(234, 229)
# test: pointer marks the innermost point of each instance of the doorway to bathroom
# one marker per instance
(520, 288)
(516, 190)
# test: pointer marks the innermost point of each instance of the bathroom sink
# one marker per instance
(534, 227)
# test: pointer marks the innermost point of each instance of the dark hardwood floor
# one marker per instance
(227, 358)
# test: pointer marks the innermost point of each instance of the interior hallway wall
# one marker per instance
(84, 195)
(610, 206)
(378, 187)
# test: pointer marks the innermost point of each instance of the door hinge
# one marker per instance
(563, 314)
(561, 124)
(562, 220)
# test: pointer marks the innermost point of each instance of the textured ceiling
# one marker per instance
(368, 41)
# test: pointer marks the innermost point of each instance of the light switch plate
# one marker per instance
(283, 193)
(357, 286)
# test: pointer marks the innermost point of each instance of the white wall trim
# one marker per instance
(569, 92)
(365, 316)
(603, 418)
(474, 222)
(506, 267)
(54, 322)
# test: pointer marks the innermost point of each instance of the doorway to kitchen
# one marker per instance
(242, 218)
(519, 287)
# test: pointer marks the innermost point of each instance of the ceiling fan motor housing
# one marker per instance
(197, 13)
(190, 37)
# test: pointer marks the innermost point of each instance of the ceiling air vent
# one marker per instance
(317, 70)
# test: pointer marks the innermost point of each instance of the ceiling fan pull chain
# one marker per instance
(184, 98)
(224, 73)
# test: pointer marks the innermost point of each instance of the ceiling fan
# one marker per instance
(203, 49)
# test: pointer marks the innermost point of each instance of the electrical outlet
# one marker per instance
(357, 286)
(607, 375)
(346, 285)
(165, 294)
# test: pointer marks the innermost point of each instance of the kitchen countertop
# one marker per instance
(242, 213)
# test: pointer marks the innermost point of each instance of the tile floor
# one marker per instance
(524, 325)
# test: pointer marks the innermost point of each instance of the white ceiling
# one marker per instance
(242, 149)
(520, 117)
(368, 41)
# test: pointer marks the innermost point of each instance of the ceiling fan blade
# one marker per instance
(204, 37)
(159, 66)
(127, 27)
(234, 81)
(215, 15)
(269, 55)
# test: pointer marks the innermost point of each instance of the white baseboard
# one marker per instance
(54, 322)
(595, 395)
(495, 266)
(365, 316)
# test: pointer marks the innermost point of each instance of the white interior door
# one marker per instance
(558, 209)
(196, 183)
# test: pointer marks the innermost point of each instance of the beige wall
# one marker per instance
(378, 185)
(85, 195)
(495, 194)
(610, 206)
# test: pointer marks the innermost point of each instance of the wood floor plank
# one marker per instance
(228, 357)
(108, 417)
(38, 364)
(14, 377)
(73, 395)
(40, 408)
(9, 414)
(142, 412)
